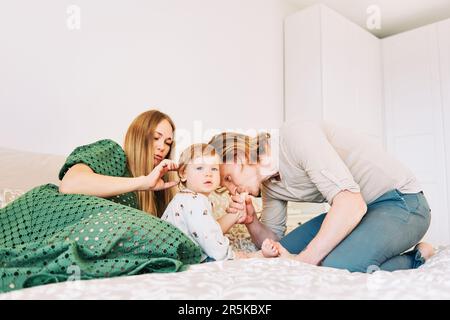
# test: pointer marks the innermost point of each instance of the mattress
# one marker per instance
(271, 279)
(240, 279)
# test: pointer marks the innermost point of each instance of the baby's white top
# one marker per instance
(191, 212)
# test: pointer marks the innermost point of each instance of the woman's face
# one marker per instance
(162, 141)
(243, 176)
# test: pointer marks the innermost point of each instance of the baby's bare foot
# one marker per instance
(426, 250)
(269, 249)
(272, 249)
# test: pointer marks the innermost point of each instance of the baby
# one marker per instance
(191, 211)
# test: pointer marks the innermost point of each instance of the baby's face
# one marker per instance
(202, 174)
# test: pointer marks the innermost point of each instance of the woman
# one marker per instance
(378, 210)
(91, 226)
(148, 145)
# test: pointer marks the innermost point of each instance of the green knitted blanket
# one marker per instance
(47, 237)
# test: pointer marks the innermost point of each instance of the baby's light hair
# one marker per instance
(197, 150)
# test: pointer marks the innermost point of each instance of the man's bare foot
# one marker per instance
(426, 250)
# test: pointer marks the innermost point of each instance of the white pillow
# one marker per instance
(22, 170)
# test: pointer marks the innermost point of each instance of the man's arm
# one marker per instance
(260, 232)
(346, 212)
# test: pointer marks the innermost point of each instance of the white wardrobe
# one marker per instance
(333, 71)
(396, 89)
(416, 89)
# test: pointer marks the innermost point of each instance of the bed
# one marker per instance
(240, 279)
(271, 279)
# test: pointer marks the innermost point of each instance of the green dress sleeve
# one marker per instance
(104, 157)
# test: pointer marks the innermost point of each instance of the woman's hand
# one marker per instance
(242, 203)
(154, 180)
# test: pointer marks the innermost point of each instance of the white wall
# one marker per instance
(212, 60)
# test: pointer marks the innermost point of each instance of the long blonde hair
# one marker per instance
(139, 150)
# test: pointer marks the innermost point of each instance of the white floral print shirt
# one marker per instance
(191, 212)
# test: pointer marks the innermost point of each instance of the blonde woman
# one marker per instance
(103, 219)
(378, 209)
(148, 147)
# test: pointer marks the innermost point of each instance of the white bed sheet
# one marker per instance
(259, 279)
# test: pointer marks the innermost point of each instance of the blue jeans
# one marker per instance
(394, 223)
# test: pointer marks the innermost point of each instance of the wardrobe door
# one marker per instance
(333, 71)
(444, 58)
(352, 78)
(413, 114)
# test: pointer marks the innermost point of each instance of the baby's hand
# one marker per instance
(241, 202)
(243, 217)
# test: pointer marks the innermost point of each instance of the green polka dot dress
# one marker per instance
(48, 237)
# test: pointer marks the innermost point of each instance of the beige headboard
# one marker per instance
(22, 170)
